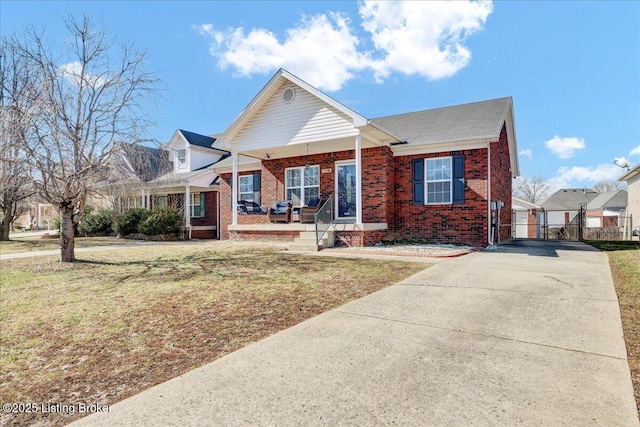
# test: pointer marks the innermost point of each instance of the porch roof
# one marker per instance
(202, 178)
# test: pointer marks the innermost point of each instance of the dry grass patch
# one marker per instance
(624, 259)
(30, 244)
(121, 321)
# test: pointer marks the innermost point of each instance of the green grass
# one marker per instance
(624, 259)
(118, 322)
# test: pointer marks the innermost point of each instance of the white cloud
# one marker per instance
(526, 153)
(580, 176)
(424, 38)
(635, 151)
(565, 148)
(72, 71)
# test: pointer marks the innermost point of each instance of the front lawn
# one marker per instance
(118, 322)
(30, 244)
(624, 259)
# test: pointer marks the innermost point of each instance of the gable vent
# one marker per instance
(288, 95)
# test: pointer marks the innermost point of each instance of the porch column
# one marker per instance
(142, 199)
(187, 208)
(358, 180)
(234, 188)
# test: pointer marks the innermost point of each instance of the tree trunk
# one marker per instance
(67, 242)
(4, 231)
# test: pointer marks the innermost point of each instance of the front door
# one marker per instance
(345, 190)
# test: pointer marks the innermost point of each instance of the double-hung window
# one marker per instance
(438, 180)
(197, 205)
(302, 184)
(246, 187)
(182, 158)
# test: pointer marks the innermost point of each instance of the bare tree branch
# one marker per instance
(91, 102)
(533, 190)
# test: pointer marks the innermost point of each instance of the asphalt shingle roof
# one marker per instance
(610, 200)
(569, 199)
(197, 139)
(477, 120)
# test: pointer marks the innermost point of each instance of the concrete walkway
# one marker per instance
(529, 334)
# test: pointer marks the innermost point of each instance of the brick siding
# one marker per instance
(501, 181)
(463, 223)
(387, 197)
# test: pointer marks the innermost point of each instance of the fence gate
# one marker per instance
(564, 225)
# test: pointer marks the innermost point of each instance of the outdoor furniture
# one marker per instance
(248, 207)
(281, 211)
(308, 213)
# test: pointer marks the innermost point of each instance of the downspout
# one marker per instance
(490, 246)
(218, 215)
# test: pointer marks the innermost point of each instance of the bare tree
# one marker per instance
(607, 185)
(533, 190)
(91, 102)
(18, 99)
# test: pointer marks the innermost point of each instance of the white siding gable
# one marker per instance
(201, 157)
(306, 119)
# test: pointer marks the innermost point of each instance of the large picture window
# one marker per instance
(438, 180)
(302, 184)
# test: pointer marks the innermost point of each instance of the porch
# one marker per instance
(341, 233)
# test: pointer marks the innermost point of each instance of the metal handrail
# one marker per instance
(323, 219)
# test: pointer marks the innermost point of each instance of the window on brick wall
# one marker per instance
(249, 188)
(197, 205)
(438, 180)
(302, 184)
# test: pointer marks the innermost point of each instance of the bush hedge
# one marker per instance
(130, 221)
(161, 221)
(96, 223)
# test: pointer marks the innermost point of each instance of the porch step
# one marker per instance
(307, 242)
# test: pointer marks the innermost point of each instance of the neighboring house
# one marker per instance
(178, 174)
(525, 219)
(561, 207)
(428, 175)
(38, 215)
(607, 209)
(632, 178)
(191, 185)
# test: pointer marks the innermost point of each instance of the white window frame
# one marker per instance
(134, 202)
(162, 201)
(246, 195)
(440, 180)
(181, 157)
(195, 205)
(302, 187)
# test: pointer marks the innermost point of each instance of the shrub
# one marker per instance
(129, 222)
(161, 221)
(56, 222)
(96, 223)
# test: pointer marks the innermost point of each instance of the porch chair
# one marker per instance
(250, 208)
(281, 212)
(308, 213)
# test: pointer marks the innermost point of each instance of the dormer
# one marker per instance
(191, 151)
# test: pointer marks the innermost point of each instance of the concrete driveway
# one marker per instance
(529, 334)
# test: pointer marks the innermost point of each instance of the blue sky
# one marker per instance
(573, 68)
